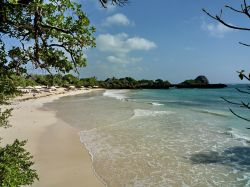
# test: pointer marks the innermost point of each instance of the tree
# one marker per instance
(15, 161)
(51, 35)
(104, 3)
(244, 11)
(15, 165)
(117, 2)
(7, 87)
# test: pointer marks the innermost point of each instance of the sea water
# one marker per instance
(175, 137)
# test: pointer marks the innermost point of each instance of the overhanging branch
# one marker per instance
(216, 17)
(246, 119)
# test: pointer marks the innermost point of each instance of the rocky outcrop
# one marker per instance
(199, 82)
(201, 79)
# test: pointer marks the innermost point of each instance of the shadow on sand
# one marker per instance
(236, 157)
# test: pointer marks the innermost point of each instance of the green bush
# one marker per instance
(15, 165)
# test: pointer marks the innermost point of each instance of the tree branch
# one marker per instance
(239, 11)
(231, 101)
(242, 91)
(56, 28)
(247, 45)
(246, 119)
(245, 105)
(117, 2)
(69, 51)
(242, 104)
(243, 75)
(216, 17)
(245, 9)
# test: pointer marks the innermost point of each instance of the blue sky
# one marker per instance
(168, 39)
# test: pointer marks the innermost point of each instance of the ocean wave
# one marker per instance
(87, 139)
(181, 101)
(117, 94)
(234, 133)
(156, 104)
(144, 113)
(213, 112)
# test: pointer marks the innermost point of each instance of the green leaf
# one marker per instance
(241, 76)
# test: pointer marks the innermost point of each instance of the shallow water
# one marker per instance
(162, 137)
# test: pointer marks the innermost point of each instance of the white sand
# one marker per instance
(60, 159)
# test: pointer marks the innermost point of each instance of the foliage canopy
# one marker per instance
(51, 34)
(15, 163)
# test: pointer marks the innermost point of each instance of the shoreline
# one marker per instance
(60, 158)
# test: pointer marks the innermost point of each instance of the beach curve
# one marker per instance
(60, 158)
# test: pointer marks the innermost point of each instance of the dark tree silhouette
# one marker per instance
(103, 2)
(245, 12)
(114, 2)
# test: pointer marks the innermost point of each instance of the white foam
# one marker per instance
(156, 104)
(247, 176)
(234, 133)
(181, 101)
(213, 112)
(85, 140)
(117, 94)
(143, 113)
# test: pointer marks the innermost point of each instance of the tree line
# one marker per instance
(110, 83)
(71, 80)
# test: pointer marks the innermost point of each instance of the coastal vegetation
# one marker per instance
(130, 83)
(70, 80)
(50, 35)
(110, 83)
(15, 161)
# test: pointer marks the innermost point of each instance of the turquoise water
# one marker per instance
(172, 137)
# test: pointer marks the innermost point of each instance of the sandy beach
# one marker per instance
(60, 159)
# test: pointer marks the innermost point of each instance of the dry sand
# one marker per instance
(60, 159)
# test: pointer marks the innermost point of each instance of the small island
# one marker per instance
(199, 82)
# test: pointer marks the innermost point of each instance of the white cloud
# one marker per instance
(112, 43)
(114, 59)
(117, 19)
(217, 30)
(123, 59)
(137, 43)
(120, 45)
